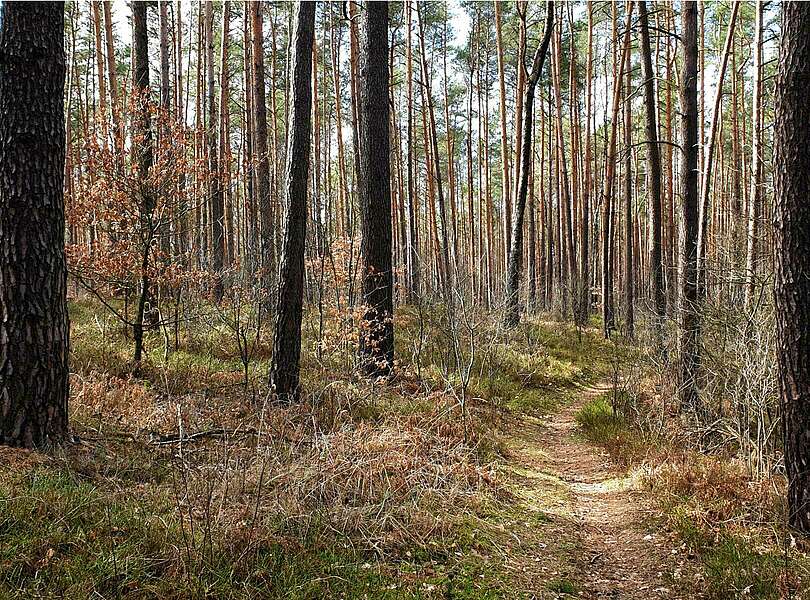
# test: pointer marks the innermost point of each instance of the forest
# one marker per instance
(408, 299)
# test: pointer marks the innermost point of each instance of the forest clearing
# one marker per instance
(405, 299)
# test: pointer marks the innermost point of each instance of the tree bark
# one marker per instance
(654, 171)
(264, 200)
(102, 86)
(516, 250)
(629, 282)
(690, 318)
(34, 324)
(142, 130)
(584, 248)
(285, 368)
(608, 317)
(792, 245)
(374, 192)
(414, 287)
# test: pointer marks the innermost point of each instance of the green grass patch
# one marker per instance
(599, 422)
(562, 586)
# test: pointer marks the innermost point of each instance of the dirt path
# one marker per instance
(596, 514)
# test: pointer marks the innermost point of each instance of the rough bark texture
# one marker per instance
(516, 250)
(374, 192)
(653, 168)
(792, 242)
(284, 373)
(690, 319)
(34, 326)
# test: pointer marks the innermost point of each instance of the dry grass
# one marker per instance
(398, 475)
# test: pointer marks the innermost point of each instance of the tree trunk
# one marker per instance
(225, 137)
(629, 283)
(112, 74)
(584, 259)
(608, 316)
(505, 185)
(708, 164)
(264, 200)
(654, 171)
(102, 87)
(413, 222)
(792, 245)
(565, 203)
(374, 192)
(285, 368)
(215, 183)
(755, 197)
(437, 171)
(516, 250)
(690, 318)
(33, 275)
(142, 129)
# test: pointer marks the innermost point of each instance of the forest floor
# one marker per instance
(496, 464)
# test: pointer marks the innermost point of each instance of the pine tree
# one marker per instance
(374, 191)
(285, 369)
(792, 245)
(33, 275)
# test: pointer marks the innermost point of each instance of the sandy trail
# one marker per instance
(597, 511)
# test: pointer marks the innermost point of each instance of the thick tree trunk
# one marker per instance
(516, 250)
(374, 192)
(33, 276)
(690, 317)
(285, 369)
(792, 244)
